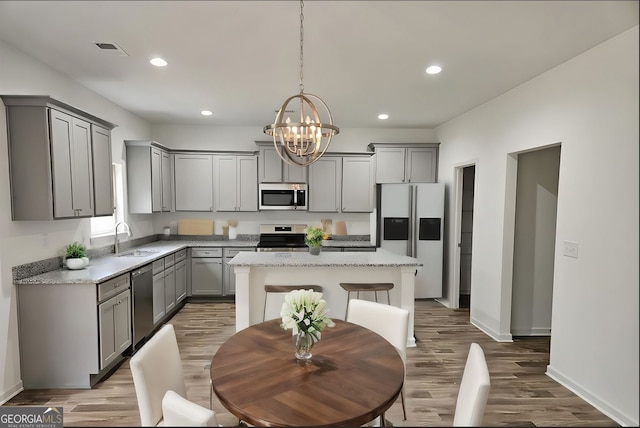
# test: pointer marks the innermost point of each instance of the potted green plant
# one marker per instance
(313, 238)
(76, 256)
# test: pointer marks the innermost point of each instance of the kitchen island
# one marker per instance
(255, 270)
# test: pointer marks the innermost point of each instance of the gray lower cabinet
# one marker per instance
(206, 272)
(52, 164)
(229, 285)
(72, 335)
(159, 308)
(181, 275)
(181, 281)
(169, 284)
(115, 327)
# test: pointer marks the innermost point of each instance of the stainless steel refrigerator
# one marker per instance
(410, 221)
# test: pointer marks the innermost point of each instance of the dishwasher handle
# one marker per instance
(142, 270)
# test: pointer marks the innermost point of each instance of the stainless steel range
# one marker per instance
(282, 237)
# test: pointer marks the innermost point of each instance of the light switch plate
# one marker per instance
(571, 249)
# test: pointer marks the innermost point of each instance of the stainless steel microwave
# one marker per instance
(283, 196)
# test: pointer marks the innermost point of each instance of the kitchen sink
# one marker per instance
(138, 253)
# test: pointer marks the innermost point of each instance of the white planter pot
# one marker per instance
(74, 264)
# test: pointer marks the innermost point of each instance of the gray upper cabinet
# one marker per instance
(272, 169)
(72, 166)
(102, 171)
(325, 184)
(148, 177)
(421, 165)
(194, 182)
(412, 163)
(52, 165)
(165, 173)
(342, 184)
(358, 184)
(235, 182)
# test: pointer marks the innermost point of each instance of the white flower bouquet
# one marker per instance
(305, 312)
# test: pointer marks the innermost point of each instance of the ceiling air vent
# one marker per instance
(111, 48)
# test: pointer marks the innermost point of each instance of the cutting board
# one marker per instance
(195, 227)
(341, 228)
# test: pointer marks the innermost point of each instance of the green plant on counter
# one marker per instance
(313, 236)
(76, 251)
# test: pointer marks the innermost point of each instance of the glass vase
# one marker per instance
(303, 345)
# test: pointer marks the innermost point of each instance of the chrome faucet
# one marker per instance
(128, 229)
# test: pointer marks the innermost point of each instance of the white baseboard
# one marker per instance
(11, 392)
(530, 331)
(586, 395)
(493, 334)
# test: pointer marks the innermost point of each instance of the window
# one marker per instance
(103, 226)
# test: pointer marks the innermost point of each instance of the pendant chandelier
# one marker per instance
(304, 139)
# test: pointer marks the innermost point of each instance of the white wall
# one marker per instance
(590, 106)
(534, 242)
(24, 242)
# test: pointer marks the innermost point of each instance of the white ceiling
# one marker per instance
(240, 59)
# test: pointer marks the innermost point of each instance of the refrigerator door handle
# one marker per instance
(414, 226)
(410, 240)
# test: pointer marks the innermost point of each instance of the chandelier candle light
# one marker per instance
(304, 141)
(305, 313)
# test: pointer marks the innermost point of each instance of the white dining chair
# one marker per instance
(390, 322)
(474, 390)
(158, 379)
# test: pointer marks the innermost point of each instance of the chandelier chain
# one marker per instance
(301, 44)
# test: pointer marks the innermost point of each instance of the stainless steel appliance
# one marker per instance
(283, 196)
(142, 307)
(410, 222)
(282, 237)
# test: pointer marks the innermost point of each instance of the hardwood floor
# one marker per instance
(521, 394)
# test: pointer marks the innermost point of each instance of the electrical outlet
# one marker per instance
(571, 249)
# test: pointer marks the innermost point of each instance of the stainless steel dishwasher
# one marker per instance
(142, 308)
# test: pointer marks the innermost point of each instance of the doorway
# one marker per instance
(466, 235)
(536, 204)
(464, 192)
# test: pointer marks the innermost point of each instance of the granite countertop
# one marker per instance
(346, 243)
(109, 266)
(380, 258)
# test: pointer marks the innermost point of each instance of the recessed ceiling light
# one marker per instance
(158, 62)
(206, 113)
(383, 116)
(434, 69)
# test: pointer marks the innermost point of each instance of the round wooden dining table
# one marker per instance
(354, 376)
